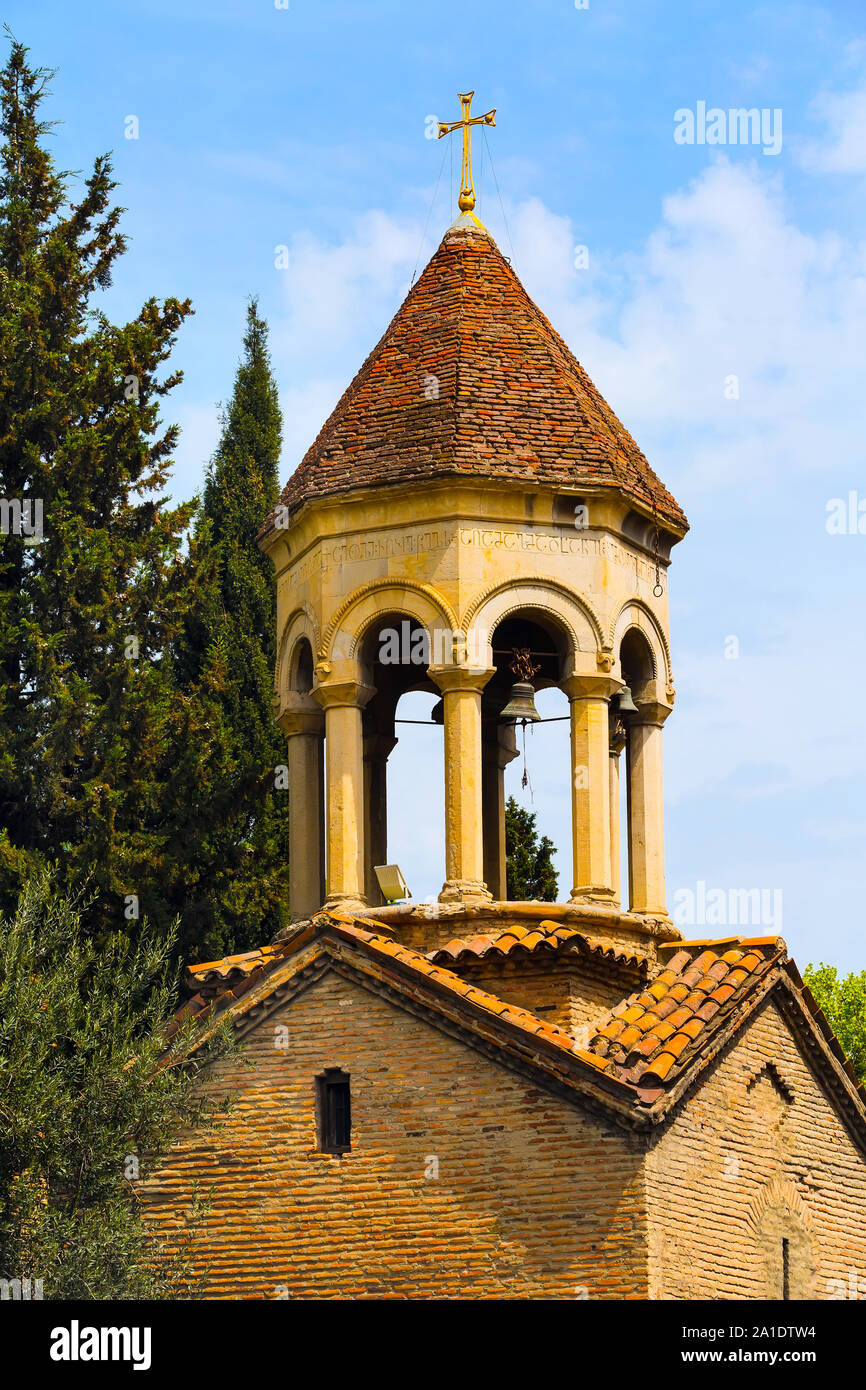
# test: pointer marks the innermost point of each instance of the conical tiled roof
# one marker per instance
(470, 379)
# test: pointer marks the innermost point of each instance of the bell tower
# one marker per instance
(472, 497)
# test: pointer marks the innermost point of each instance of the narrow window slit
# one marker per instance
(334, 1111)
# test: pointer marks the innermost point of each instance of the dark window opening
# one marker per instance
(785, 1271)
(333, 1104)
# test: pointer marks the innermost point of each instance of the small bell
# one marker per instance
(521, 704)
(623, 703)
(437, 713)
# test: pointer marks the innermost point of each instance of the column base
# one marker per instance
(465, 890)
(342, 902)
(594, 893)
(656, 914)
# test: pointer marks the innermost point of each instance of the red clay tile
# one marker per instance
(526, 412)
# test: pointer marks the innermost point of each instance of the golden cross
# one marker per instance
(466, 201)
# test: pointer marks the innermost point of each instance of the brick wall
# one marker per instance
(571, 992)
(533, 1198)
(757, 1155)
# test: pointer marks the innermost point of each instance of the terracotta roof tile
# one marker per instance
(540, 937)
(512, 402)
(681, 1009)
(660, 1068)
(645, 1043)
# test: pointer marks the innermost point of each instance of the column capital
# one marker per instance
(449, 678)
(299, 714)
(335, 693)
(650, 712)
(598, 687)
(379, 745)
(653, 692)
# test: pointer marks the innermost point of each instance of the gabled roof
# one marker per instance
(222, 983)
(471, 380)
(638, 1064)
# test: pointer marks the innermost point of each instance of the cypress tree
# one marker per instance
(237, 886)
(93, 728)
(529, 870)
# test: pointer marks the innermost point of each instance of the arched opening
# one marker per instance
(534, 635)
(395, 653)
(304, 724)
(301, 667)
(637, 664)
(636, 659)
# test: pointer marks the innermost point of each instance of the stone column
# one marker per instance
(646, 809)
(303, 724)
(590, 785)
(343, 702)
(461, 688)
(617, 744)
(499, 748)
(377, 749)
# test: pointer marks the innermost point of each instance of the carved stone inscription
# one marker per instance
(425, 540)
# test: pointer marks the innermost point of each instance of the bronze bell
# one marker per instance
(623, 703)
(521, 704)
(437, 713)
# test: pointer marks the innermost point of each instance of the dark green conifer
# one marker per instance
(88, 609)
(530, 874)
(240, 896)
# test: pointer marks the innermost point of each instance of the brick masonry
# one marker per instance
(755, 1156)
(534, 1197)
(572, 993)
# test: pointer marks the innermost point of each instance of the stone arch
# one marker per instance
(301, 624)
(346, 629)
(776, 1214)
(572, 614)
(634, 613)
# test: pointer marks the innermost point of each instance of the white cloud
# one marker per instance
(335, 291)
(339, 300)
(843, 148)
(727, 285)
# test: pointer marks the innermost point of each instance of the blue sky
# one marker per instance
(305, 127)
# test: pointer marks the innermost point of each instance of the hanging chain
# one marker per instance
(524, 781)
(658, 589)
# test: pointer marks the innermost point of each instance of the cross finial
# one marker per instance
(466, 201)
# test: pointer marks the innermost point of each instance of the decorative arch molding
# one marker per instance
(634, 613)
(777, 1215)
(300, 623)
(776, 1194)
(360, 609)
(561, 602)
